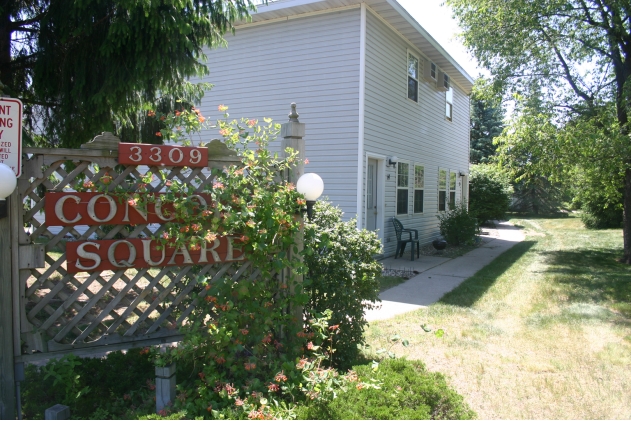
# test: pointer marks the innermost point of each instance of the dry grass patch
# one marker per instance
(544, 332)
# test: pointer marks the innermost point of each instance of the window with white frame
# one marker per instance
(403, 184)
(449, 104)
(442, 190)
(452, 190)
(419, 186)
(413, 64)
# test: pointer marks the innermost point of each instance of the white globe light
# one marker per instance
(8, 181)
(310, 185)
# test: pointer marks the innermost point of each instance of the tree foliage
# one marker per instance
(486, 122)
(575, 55)
(81, 67)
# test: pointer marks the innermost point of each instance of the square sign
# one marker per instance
(11, 134)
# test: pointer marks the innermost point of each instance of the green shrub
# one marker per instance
(489, 192)
(399, 389)
(94, 388)
(457, 226)
(343, 276)
(602, 218)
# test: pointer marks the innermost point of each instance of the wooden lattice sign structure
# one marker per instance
(118, 303)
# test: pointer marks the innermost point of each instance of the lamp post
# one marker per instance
(8, 182)
(311, 186)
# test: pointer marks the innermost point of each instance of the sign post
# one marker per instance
(11, 134)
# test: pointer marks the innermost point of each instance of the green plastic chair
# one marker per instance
(402, 242)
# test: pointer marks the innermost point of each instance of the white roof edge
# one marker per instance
(431, 39)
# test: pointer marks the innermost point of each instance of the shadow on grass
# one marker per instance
(471, 290)
(593, 276)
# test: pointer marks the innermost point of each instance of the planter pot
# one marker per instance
(439, 244)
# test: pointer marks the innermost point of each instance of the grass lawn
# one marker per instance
(544, 332)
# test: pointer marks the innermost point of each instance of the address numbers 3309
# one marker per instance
(167, 155)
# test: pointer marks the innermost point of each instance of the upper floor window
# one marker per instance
(419, 186)
(403, 183)
(449, 103)
(413, 77)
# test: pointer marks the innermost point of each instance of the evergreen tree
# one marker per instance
(486, 123)
(82, 67)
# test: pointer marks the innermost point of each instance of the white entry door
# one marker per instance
(371, 195)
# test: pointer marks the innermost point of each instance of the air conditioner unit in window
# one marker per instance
(430, 71)
(443, 83)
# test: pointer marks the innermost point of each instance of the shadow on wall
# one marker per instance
(471, 290)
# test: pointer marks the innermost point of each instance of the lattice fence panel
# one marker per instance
(66, 310)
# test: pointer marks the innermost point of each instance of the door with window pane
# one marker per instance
(371, 195)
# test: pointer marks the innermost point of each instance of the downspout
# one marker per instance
(362, 104)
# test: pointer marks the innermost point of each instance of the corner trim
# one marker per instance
(362, 112)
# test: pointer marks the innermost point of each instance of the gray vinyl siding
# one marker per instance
(417, 133)
(313, 61)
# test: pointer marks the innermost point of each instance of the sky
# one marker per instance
(437, 20)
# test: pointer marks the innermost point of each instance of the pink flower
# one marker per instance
(166, 235)
(238, 402)
(132, 202)
(106, 179)
(310, 345)
(280, 377)
(273, 387)
(158, 134)
(196, 227)
(306, 161)
(222, 108)
(251, 123)
(218, 185)
(224, 132)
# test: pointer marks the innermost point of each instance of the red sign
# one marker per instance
(99, 255)
(172, 156)
(93, 208)
(11, 134)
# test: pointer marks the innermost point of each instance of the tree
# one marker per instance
(82, 67)
(576, 54)
(486, 122)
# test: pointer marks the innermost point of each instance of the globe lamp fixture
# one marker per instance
(8, 182)
(311, 186)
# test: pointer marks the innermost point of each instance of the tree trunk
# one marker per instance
(5, 48)
(626, 230)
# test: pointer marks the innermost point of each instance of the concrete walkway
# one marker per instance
(439, 275)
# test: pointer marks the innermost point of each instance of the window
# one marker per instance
(412, 77)
(442, 190)
(403, 182)
(419, 184)
(452, 190)
(449, 101)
